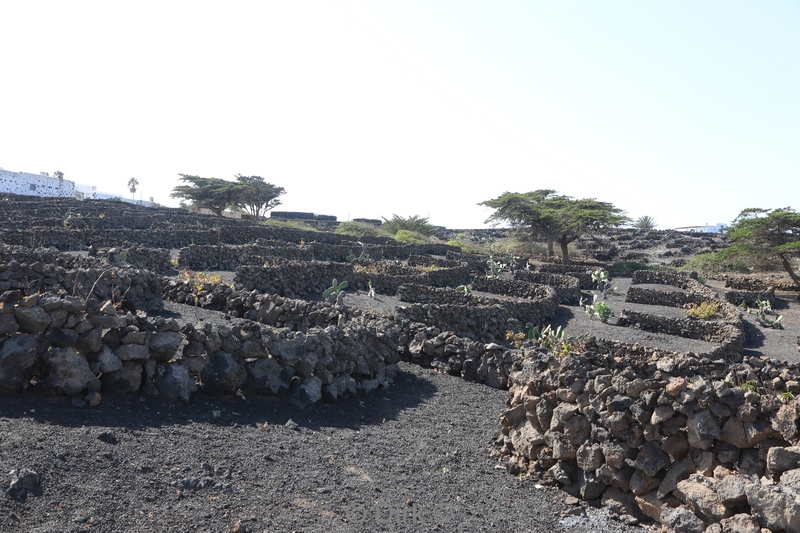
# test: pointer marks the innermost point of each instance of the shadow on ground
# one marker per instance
(135, 412)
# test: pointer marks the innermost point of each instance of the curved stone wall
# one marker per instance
(567, 286)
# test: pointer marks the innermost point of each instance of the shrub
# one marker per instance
(714, 263)
(414, 224)
(704, 311)
(467, 248)
(358, 229)
(293, 224)
(410, 237)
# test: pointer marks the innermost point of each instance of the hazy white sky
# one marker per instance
(684, 111)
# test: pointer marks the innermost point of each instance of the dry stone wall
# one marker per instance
(82, 348)
(567, 287)
(725, 329)
(294, 279)
(678, 435)
(482, 320)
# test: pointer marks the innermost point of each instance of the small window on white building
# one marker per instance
(33, 186)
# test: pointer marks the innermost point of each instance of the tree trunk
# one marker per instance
(564, 251)
(792, 274)
(550, 251)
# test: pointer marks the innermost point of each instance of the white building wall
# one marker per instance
(35, 185)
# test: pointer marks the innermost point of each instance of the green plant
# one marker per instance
(603, 281)
(334, 290)
(749, 386)
(764, 312)
(766, 322)
(293, 224)
(358, 229)
(704, 311)
(412, 224)
(410, 237)
(598, 309)
(464, 289)
(517, 339)
(715, 263)
(786, 397)
(123, 255)
(493, 268)
(350, 256)
(645, 222)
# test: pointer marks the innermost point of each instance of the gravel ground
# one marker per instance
(412, 457)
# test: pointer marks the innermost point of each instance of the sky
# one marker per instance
(684, 111)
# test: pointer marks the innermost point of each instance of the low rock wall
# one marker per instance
(750, 298)
(582, 272)
(668, 298)
(567, 287)
(81, 348)
(131, 287)
(726, 329)
(728, 335)
(483, 321)
(302, 278)
(228, 257)
(675, 439)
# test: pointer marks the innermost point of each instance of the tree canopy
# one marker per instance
(250, 193)
(768, 232)
(542, 215)
(257, 196)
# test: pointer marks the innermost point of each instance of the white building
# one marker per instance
(42, 184)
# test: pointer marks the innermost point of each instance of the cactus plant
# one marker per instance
(334, 290)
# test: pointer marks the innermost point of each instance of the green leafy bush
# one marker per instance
(293, 224)
(358, 229)
(705, 310)
(467, 248)
(410, 237)
(715, 263)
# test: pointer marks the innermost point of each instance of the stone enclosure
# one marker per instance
(699, 440)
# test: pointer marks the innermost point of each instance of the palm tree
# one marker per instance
(645, 222)
(132, 184)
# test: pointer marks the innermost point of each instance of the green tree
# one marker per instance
(416, 224)
(257, 196)
(545, 216)
(645, 223)
(211, 193)
(770, 233)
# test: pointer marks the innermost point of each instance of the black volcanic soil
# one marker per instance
(412, 457)
(415, 456)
